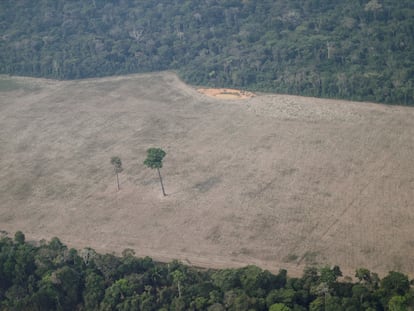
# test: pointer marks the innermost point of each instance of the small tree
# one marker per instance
(154, 160)
(19, 237)
(117, 163)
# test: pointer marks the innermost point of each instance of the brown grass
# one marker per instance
(274, 180)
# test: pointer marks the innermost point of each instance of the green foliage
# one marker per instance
(93, 292)
(120, 296)
(359, 50)
(52, 277)
(398, 303)
(154, 158)
(66, 281)
(226, 279)
(328, 276)
(279, 307)
(395, 283)
(19, 237)
(317, 305)
(117, 163)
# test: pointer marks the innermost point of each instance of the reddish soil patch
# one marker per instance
(223, 93)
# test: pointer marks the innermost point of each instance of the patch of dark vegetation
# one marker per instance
(358, 50)
(49, 276)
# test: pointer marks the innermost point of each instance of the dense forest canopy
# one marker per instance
(49, 276)
(356, 49)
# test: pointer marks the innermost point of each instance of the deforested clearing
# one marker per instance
(273, 180)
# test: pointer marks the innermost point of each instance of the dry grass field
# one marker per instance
(273, 180)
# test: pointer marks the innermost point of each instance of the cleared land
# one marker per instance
(273, 180)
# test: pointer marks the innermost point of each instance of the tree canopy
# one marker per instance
(356, 49)
(154, 157)
(49, 276)
(117, 163)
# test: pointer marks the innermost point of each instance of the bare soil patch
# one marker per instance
(274, 180)
(224, 93)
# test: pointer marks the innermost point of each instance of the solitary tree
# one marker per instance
(154, 160)
(117, 163)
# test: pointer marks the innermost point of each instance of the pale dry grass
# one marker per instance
(274, 180)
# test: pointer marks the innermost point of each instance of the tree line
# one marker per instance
(356, 49)
(47, 275)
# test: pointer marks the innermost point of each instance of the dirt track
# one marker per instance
(278, 181)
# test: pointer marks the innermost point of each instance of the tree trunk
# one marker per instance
(179, 289)
(117, 181)
(162, 185)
